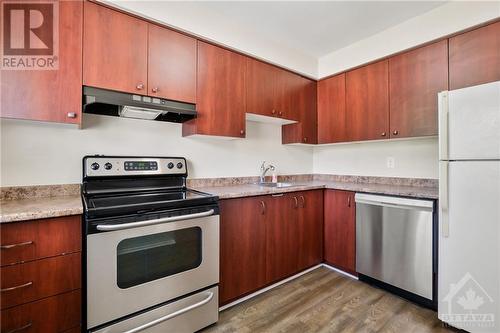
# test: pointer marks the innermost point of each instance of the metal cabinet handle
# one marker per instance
(296, 202)
(383, 134)
(305, 139)
(10, 246)
(349, 201)
(17, 287)
(280, 113)
(273, 111)
(395, 132)
(172, 315)
(155, 89)
(263, 204)
(303, 201)
(242, 132)
(22, 328)
(140, 86)
(71, 114)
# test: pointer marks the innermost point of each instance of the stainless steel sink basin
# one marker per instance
(277, 185)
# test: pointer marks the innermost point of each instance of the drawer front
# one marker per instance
(38, 279)
(24, 241)
(54, 314)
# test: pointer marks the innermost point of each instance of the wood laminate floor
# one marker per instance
(326, 301)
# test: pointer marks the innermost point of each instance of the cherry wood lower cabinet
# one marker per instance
(340, 229)
(40, 275)
(267, 238)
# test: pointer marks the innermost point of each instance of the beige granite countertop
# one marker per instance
(39, 208)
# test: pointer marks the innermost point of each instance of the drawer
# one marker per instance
(38, 279)
(24, 241)
(53, 314)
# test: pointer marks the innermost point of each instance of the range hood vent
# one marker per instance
(118, 104)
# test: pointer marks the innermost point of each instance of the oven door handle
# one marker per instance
(113, 227)
(172, 315)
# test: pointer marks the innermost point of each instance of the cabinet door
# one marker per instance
(260, 81)
(416, 77)
(287, 89)
(281, 237)
(220, 97)
(171, 65)
(242, 246)
(50, 95)
(475, 57)
(310, 226)
(305, 131)
(115, 50)
(332, 110)
(367, 102)
(340, 230)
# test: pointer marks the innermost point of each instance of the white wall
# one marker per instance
(35, 153)
(444, 20)
(416, 158)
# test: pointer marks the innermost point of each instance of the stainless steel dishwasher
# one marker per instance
(396, 245)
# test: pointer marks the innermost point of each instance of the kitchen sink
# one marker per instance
(277, 185)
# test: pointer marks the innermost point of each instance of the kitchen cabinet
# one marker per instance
(171, 65)
(474, 57)
(367, 102)
(340, 229)
(242, 246)
(415, 79)
(220, 97)
(332, 110)
(50, 95)
(305, 131)
(115, 50)
(271, 91)
(310, 228)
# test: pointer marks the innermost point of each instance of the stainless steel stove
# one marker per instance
(152, 247)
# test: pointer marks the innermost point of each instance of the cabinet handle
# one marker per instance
(280, 113)
(17, 287)
(349, 201)
(22, 328)
(10, 246)
(273, 111)
(303, 201)
(140, 86)
(71, 115)
(395, 132)
(383, 134)
(305, 139)
(155, 89)
(263, 204)
(242, 132)
(296, 202)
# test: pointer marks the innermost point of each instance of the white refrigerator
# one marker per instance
(469, 208)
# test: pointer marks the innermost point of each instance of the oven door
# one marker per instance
(132, 269)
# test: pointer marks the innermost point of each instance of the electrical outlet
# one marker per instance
(391, 162)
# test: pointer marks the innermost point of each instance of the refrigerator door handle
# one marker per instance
(443, 198)
(443, 125)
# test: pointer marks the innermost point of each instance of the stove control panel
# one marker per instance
(105, 166)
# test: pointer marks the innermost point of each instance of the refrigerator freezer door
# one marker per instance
(469, 258)
(471, 128)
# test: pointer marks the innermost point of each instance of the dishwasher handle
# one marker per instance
(394, 202)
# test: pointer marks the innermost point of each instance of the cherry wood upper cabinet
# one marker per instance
(475, 57)
(340, 229)
(305, 131)
(115, 50)
(332, 110)
(287, 91)
(242, 246)
(220, 97)
(171, 65)
(367, 102)
(50, 95)
(415, 79)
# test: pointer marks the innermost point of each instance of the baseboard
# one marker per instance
(293, 277)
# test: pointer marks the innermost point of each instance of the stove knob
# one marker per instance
(170, 165)
(94, 166)
(179, 165)
(108, 166)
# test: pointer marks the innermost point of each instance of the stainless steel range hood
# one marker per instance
(118, 104)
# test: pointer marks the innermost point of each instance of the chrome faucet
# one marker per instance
(264, 170)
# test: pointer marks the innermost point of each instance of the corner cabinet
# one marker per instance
(332, 110)
(50, 95)
(220, 96)
(340, 230)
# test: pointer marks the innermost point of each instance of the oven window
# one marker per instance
(147, 258)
